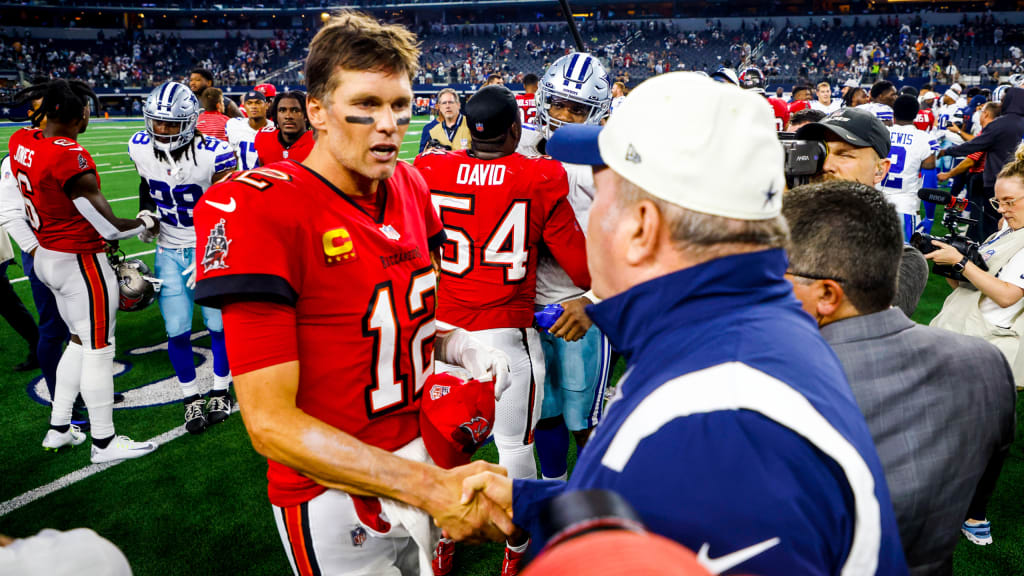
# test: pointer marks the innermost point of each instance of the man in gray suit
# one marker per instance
(940, 406)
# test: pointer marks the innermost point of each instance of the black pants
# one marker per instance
(979, 203)
(990, 220)
(15, 312)
(986, 485)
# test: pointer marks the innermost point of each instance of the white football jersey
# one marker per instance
(946, 115)
(242, 138)
(910, 147)
(881, 111)
(553, 284)
(176, 186)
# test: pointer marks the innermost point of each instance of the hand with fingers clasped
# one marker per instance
(467, 518)
(574, 322)
(495, 489)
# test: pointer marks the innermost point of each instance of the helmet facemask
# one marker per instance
(173, 103)
(576, 80)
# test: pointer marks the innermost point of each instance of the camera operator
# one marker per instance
(989, 305)
(898, 370)
(449, 130)
(998, 140)
(858, 146)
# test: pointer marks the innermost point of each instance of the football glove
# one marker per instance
(482, 361)
(190, 276)
(147, 236)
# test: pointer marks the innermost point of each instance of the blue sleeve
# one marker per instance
(981, 142)
(529, 497)
(425, 135)
(702, 479)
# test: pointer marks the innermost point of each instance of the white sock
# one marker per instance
(221, 383)
(190, 388)
(98, 389)
(519, 549)
(69, 380)
(516, 458)
(563, 478)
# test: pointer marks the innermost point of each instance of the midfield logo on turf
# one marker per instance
(156, 393)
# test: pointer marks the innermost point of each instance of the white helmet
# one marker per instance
(999, 92)
(137, 288)
(579, 78)
(172, 102)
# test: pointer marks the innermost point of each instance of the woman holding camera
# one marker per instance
(990, 304)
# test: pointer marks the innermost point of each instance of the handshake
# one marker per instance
(473, 503)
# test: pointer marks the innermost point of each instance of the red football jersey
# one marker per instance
(212, 124)
(362, 287)
(270, 149)
(527, 108)
(781, 110)
(43, 167)
(925, 120)
(495, 214)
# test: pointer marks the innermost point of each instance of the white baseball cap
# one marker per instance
(851, 83)
(686, 139)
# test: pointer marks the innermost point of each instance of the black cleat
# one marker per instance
(218, 408)
(195, 421)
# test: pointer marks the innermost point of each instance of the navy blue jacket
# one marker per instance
(734, 429)
(999, 139)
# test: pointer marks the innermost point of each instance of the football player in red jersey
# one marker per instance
(753, 79)
(498, 206)
(71, 220)
(323, 271)
(291, 138)
(527, 101)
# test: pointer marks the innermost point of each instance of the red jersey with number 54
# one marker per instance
(361, 285)
(44, 168)
(496, 214)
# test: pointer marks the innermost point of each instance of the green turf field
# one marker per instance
(198, 504)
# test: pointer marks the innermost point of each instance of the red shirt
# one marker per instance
(212, 124)
(361, 290)
(43, 168)
(496, 213)
(925, 120)
(270, 148)
(527, 108)
(781, 110)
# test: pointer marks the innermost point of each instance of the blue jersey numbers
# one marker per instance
(175, 204)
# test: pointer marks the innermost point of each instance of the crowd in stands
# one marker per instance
(897, 48)
(141, 61)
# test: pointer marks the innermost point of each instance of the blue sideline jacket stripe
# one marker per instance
(736, 386)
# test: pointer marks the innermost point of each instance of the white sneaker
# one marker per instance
(56, 440)
(121, 448)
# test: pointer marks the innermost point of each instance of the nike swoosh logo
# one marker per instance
(729, 561)
(229, 207)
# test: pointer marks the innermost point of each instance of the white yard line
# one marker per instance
(81, 474)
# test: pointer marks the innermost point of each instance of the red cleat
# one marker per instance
(513, 563)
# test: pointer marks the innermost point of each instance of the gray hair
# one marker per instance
(706, 236)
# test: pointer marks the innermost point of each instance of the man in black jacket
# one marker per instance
(998, 141)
